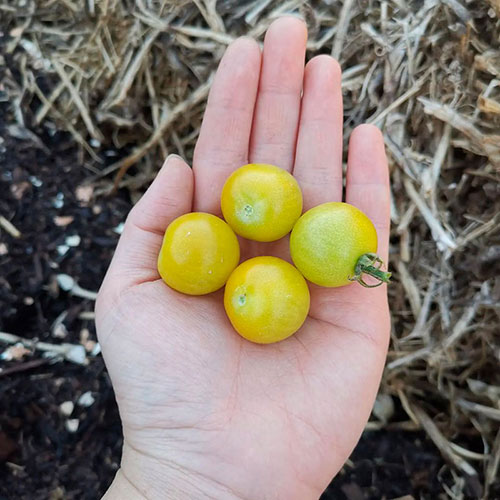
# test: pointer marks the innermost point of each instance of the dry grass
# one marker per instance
(133, 77)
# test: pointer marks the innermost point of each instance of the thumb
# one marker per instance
(135, 259)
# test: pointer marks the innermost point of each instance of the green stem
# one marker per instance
(370, 264)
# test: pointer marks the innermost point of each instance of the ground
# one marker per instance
(91, 89)
(40, 458)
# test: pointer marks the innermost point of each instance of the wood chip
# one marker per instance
(9, 227)
(63, 220)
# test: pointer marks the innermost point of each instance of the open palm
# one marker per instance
(206, 413)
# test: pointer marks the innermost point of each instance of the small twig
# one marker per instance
(342, 26)
(422, 327)
(123, 165)
(494, 460)
(492, 225)
(253, 14)
(409, 358)
(195, 32)
(465, 320)
(71, 352)
(444, 240)
(485, 144)
(402, 98)
(87, 315)
(411, 288)
(68, 284)
(22, 367)
(486, 411)
(75, 95)
(431, 176)
(48, 103)
(136, 63)
(442, 443)
(76, 135)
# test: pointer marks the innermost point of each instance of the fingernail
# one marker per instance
(171, 156)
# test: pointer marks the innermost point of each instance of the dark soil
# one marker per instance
(389, 465)
(39, 457)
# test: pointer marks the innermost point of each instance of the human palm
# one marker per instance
(206, 413)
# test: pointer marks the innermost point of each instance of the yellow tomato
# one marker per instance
(198, 254)
(266, 299)
(261, 202)
(333, 244)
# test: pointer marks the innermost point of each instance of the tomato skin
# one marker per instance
(261, 202)
(328, 240)
(198, 253)
(266, 299)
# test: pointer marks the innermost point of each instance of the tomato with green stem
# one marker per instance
(266, 299)
(198, 254)
(261, 202)
(334, 244)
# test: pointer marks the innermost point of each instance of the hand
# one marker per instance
(207, 414)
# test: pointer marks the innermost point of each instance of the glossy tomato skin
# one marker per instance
(328, 240)
(261, 202)
(198, 254)
(266, 299)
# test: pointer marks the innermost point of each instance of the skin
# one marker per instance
(266, 299)
(261, 202)
(205, 413)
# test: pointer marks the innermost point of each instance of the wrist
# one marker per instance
(144, 477)
(122, 488)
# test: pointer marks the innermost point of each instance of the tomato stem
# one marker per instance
(370, 264)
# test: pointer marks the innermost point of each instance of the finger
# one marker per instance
(170, 195)
(278, 102)
(367, 184)
(318, 159)
(225, 133)
(367, 187)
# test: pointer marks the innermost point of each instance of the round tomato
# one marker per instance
(261, 202)
(333, 244)
(198, 254)
(266, 299)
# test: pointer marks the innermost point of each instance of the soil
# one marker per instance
(39, 457)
